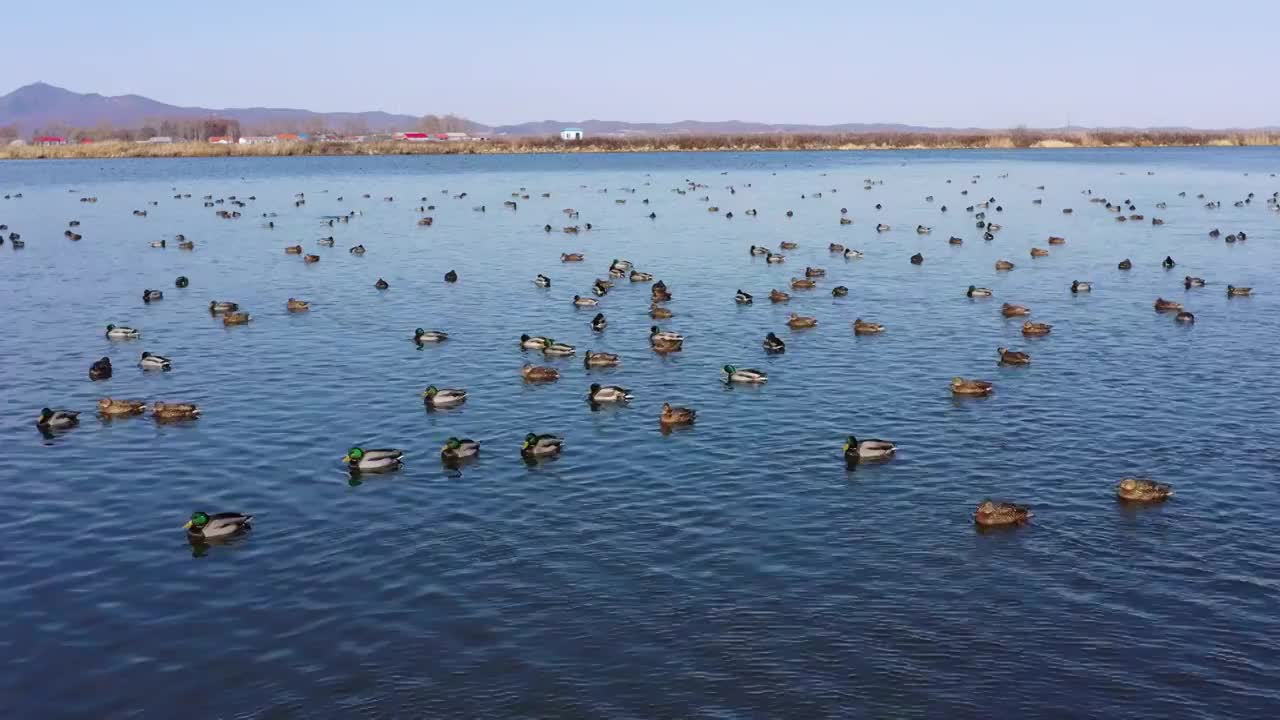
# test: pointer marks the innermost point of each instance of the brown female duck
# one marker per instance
(994, 514)
(1035, 328)
(1013, 357)
(1140, 490)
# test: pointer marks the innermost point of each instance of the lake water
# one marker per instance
(736, 569)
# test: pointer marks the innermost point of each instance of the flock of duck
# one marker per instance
(204, 526)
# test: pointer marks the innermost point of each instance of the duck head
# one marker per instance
(353, 456)
(197, 522)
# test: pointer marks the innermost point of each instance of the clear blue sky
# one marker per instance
(994, 64)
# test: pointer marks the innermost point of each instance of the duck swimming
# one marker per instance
(1233, 291)
(580, 301)
(1125, 264)
(802, 284)
(1039, 252)
(542, 281)
(599, 323)
(110, 407)
(119, 332)
(1163, 305)
(777, 296)
(872, 449)
(572, 257)
(1192, 282)
(235, 318)
(863, 327)
(381, 284)
(839, 291)
(218, 526)
(994, 514)
(756, 250)
(154, 362)
(1140, 490)
(540, 446)
(917, 259)
(1035, 328)
(1081, 287)
(797, 322)
(293, 250)
(421, 336)
(359, 460)
(533, 373)
(677, 415)
(1185, 317)
(1004, 265)
(443, 398)
(773, 259)
(743, 298)
(150, 296)
(637, 276)
(1168, 263)
(216, 307)
(744, 376)
(608, 394)
(456, 449)
(978, 292)
(979, 388)
(1055, 240)
(600, 359)
(551, 348)
(295, 305)
(657, 312)
(785, 245)
(451, 277)
(1013, 357)
(851, 254)
(57, 419)
(174, 411)
(773, 344)
(100, 370)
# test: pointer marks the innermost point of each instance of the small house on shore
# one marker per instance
(49, 140)
(220, 140)
(571, 134)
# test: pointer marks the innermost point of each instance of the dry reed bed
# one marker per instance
(676, 143)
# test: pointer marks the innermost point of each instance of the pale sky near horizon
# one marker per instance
(983, 64)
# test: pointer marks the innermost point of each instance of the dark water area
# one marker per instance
(735, 569)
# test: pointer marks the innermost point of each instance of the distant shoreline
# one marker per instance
(683, 143)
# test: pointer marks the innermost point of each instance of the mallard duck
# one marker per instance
(657, 335)
(443, 398)
(451, 277)
(813, 272)
(599, 323)
(917, 259)
(1192, 282)
(992, 514)
(100, 370)
(608, 394)
(580, 301)
(203, 526)
(1185, 317)
(326, 242)
(359, 460)
(955, 241)
(802, 284)
(572, 257)
(1081, 287)
(600, 359)
(923, 230)
(551, 348)
(156, 244)
(677, 415)
(235, 318)
(356, 250)
(110, 407)
(1141, 490)
(1003, 265)
(599, 289)
(1013, 357)
(786, 245)
(540, 446)
(533, 373)
(773, 259)
(659, 292)
(57, 419)
(216, 307)
(154, 362)
(293, 250)
(181, 282)
(872, 449)
(851, 254)
(421, 336)
(1163, 305)
(381, 284)
(1125, 264)
(542, 281)
(310, 258)
(620, 265)
(530, 342)
(773, 344)
(835, 248)
(975, 291)
(1010, 310)
(962, 386)
(174, 411)
(637, 276)
(882, 228)
(839, 291)
(120, 332)
(1233, 291)
(743, 298)
(744, 376)
(1039, 252)
(183, 245)
(459, 449)
(1168, 263)
(1055, 240)
(150, 296)
(657, 312)
(756, 250)
(796, 322)
(1035, 328)
(863, 327)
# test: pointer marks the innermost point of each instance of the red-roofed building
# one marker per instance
(49, 140)
(415, 136)
(220, 140)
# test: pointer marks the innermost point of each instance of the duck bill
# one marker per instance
(187, 526)
(346, 458)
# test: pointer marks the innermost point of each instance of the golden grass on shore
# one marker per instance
(673, 143)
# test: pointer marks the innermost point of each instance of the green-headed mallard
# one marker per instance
(637, 276)
(551, 348)
(677, 415)
(361, 460)
(442, 398)
(657, 336)
(534, 373)
(961, 386)
(602, 394)
(57, 419)
(1142, 490)
(150, 296)
(991, 513)
(743, 298)
(757, 250)
(421, 336)
(1013, 357)
(851, 254)
(975, 292)
(110, 406)
(744, 376)
(150, 361)
(217, 308)
(881, 227)
(542, 281)
(203, 526)
(600, 359)
(580, 301)
(1233, 291)
(540, 446)
(1189, 282)
(872, 449)
(773, 344)
(174, 411)
(1081, 287)
(773, 259)
(459, 449)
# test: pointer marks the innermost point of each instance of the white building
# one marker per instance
(571, 134)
